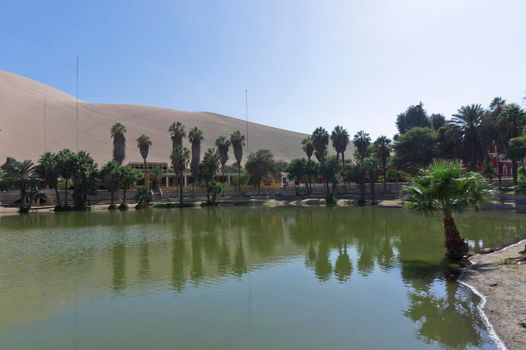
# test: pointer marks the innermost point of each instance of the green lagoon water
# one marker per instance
(239, 278)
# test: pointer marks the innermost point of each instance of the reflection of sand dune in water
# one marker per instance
(45, 271)
(22, 125)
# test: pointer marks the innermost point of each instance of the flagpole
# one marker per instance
(77, 106)
(246, 118)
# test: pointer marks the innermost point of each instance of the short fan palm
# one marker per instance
(447, 188)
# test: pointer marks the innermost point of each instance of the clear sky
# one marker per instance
(305, 63)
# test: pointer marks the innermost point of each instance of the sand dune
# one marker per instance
(25, 131)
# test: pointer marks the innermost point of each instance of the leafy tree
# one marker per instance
(361, 142)
(516, 151)
(320, 141)
(371, 164)
(143, 197)
(382, 152)
(207, 171)
(449, 142)
(307, 146)
(110, 175)
(144, 143)
(512, 120)
(497, 105)
(237, 140)
(119, 142)
(329, 170)
(156, 174)
(223, 144)
(414, 116)
(177, 133)
(297, 171)
(468, 119)
(85, 178)
(20, 175)
(436, 121)
(340, 140)
(446, 188)
(47, 170)
(415, 148)
(180, 157)
(195, 136)
(66, 169)
(128, 178)
(259, 165)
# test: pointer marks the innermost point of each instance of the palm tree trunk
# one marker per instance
(455, 245)
(239, 177)
(372, 185)
(385, 180)
(146, 175)
(112, 199)
(514, 171)
(57, 195)
(66, 195)
(181, 188)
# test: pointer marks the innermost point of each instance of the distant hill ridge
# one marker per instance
(25, 129)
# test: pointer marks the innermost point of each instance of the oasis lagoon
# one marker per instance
(240, 278)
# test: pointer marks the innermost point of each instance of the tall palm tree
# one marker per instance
(361, 142)
(208, 168)
(223, 144)
(84, 178)
(128, 177)
(320, 141)
(445, 187)
(468, 119)
(144, 143)
(119, 142)
(382, 150)
(237, 140)
(47, 170)
(512, 120)
(177, 133)
(308, 147)
(156, 175)
(180, 157)
(340, 140)
(20, 175)
(497, 105)
(195, 136)
(66, 170)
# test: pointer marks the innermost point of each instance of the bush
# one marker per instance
(396, 176)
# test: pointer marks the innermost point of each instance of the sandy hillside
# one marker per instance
(23, 133)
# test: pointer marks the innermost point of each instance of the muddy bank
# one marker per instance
(500, 278)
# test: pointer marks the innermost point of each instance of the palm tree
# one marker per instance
(382, 150)
(512, 120)
(497, 105)
(237, 140)
(144, 143)
(84, 178)
(320, 141)
(47, 170)
(66, 169)
(361, 142)
(208, 168)
(180, 157)
(177, 133)
(119, 142)
(110, 175)
(195, 136)
(223, 144)
(156, 174)
(468, 119)
(20, 175)
(445, 187)
(340, 140)
(308, 147)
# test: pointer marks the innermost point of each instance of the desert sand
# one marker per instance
(27, 128)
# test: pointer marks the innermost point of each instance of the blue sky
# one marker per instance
(305, 63)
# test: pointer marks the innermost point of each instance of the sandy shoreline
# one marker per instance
(500, 280)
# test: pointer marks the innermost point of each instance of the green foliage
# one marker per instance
(468, 119)
(260, 164)
(223, 144)
(85, 178)
(361, 142)
(340, 140)
(207, 171)
(143, 197)
(177, 133)
(119, 142)
(414, 116)
(436, 121)
(144, 143)
(516, 148)
(445, 187)
(394, 175)
(308, 147)
(20, 176)
(320, 141)
(415, 148)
